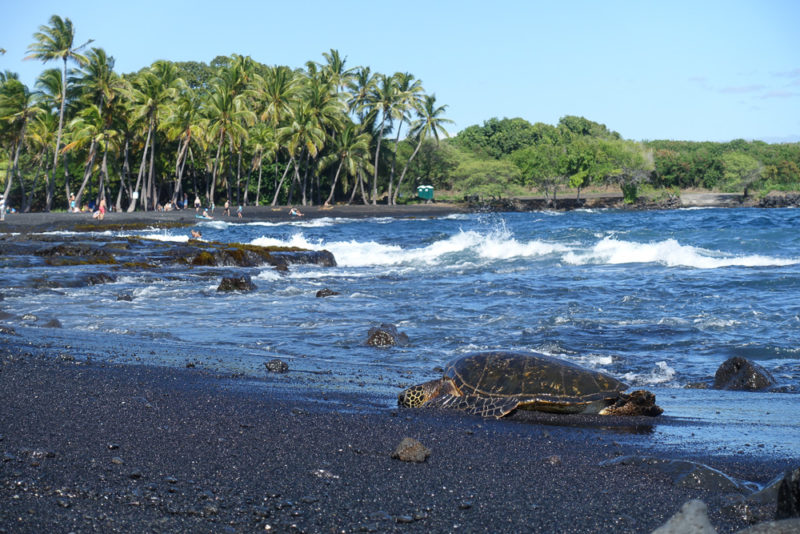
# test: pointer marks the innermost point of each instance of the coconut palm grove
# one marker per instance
(239, 131)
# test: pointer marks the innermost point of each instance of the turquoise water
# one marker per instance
(658, 298)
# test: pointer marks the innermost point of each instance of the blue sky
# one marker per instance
(690, 70)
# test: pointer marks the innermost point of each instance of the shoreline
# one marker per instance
(54, 221)
(131, 448)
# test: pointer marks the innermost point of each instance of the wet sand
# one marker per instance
(97, 447)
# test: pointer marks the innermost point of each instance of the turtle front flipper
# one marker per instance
(472, 404)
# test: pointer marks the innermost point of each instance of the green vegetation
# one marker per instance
(240, 131)
(233, 130)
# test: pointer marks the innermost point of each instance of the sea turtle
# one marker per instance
(497, 383)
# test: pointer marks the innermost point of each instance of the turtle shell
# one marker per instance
(543, 382)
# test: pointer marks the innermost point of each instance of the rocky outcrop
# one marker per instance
(692, 518)
(789, 496)
(277, 366)
(322, 293)
(386, 335)
(739, 373)
(241, 282)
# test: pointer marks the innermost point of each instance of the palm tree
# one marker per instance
(351, 150)
(16, 109)
(184, 124)
(150, 92)
(409, 91)
(41, 137)
(303, 139)
(56, 42)
(384, 97)
(88, 127)
(430, 122)
(227, 114)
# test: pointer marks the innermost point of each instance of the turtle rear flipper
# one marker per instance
(639, 402)
(475, 405)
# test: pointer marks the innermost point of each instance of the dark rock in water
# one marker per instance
(386, 335)
(741, 374)
(789, 496)
(696, 385)
(241, 282)
(686, 473)
(125, 296)
(5, 315)
(30, 318)
(100, 278)
(411, 450)
(326, 293)
(277, 366)
(76, 254)
(53, 323)
(7, 330)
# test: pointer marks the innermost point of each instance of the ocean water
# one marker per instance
(657, 298)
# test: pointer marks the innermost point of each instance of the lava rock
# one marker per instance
(241, 282)
(786, 526)
(741, 374)
(692, 517)
(386, 335)
(53, 323)
(326, 293)
(127, 297)
(411, 450)
(789, 496)
(100, 278)
(277, 366)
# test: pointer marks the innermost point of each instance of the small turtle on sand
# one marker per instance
(497, 383)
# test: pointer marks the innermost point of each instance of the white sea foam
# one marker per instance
(164, 236)
(462, 247)
(660, 374)
(669, 252)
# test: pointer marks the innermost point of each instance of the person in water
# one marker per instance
(196, 234)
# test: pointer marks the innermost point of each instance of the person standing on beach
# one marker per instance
(197, 204)
(239, 211)
(227, 210)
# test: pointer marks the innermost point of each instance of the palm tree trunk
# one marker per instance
(134, 199)
(405, 168)
(151, 196)
(393, 197)
(87, 173)
(377, 153)
(215, 168)
(280, 184)
(335, 179)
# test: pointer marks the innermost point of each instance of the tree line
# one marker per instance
(234, 130)
(505, 157)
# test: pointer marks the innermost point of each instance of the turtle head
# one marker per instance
(416, 396)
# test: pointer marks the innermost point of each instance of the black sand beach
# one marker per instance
(89, 446)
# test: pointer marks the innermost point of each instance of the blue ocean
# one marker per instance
(657, 298)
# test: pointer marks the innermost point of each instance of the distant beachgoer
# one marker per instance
(185, 203)
(197, 204)
(239, 211)
(72, 207)
(227, 210)
(294, 212)
(101, 211)
(196, 234)
(206, 215)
